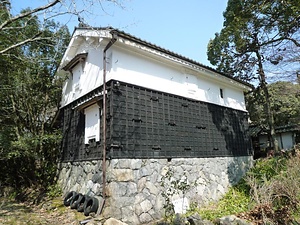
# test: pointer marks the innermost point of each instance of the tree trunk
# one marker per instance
(270, 117)
(269, 112)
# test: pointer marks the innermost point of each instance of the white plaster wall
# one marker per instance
(91, 76)
(67, 91)
(144, 71)
(286, 141)
(138, 69)
(92, 123)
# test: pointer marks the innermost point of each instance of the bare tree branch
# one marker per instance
(51, 11)
(33, 39)
(22, 15)
(294, 41)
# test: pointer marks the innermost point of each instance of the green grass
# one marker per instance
(240, 199)
(235, 201)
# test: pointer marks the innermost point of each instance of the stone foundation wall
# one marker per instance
(135, 187)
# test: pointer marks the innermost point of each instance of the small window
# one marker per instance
(221, 93)
(92, 124)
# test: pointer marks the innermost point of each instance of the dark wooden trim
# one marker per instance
(78, 58)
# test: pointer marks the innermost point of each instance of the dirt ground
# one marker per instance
(49, 212)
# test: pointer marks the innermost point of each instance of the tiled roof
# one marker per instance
(287, 128)
(255, 130)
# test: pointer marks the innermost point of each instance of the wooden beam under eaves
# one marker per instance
(77, 59)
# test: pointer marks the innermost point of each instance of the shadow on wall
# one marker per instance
(237, 169)
(232, 132)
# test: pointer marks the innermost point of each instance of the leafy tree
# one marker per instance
(258, 37)
(29, 90)
(31, 47)
(284, 101)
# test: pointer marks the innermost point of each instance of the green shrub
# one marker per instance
(235, 201)
(54, 191)
(267, 168)
(271, 182)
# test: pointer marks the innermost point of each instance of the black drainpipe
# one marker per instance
(112, 41)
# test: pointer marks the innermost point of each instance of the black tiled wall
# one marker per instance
(149, 124)
(143, 123)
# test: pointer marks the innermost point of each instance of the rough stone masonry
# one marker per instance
(137, 188)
